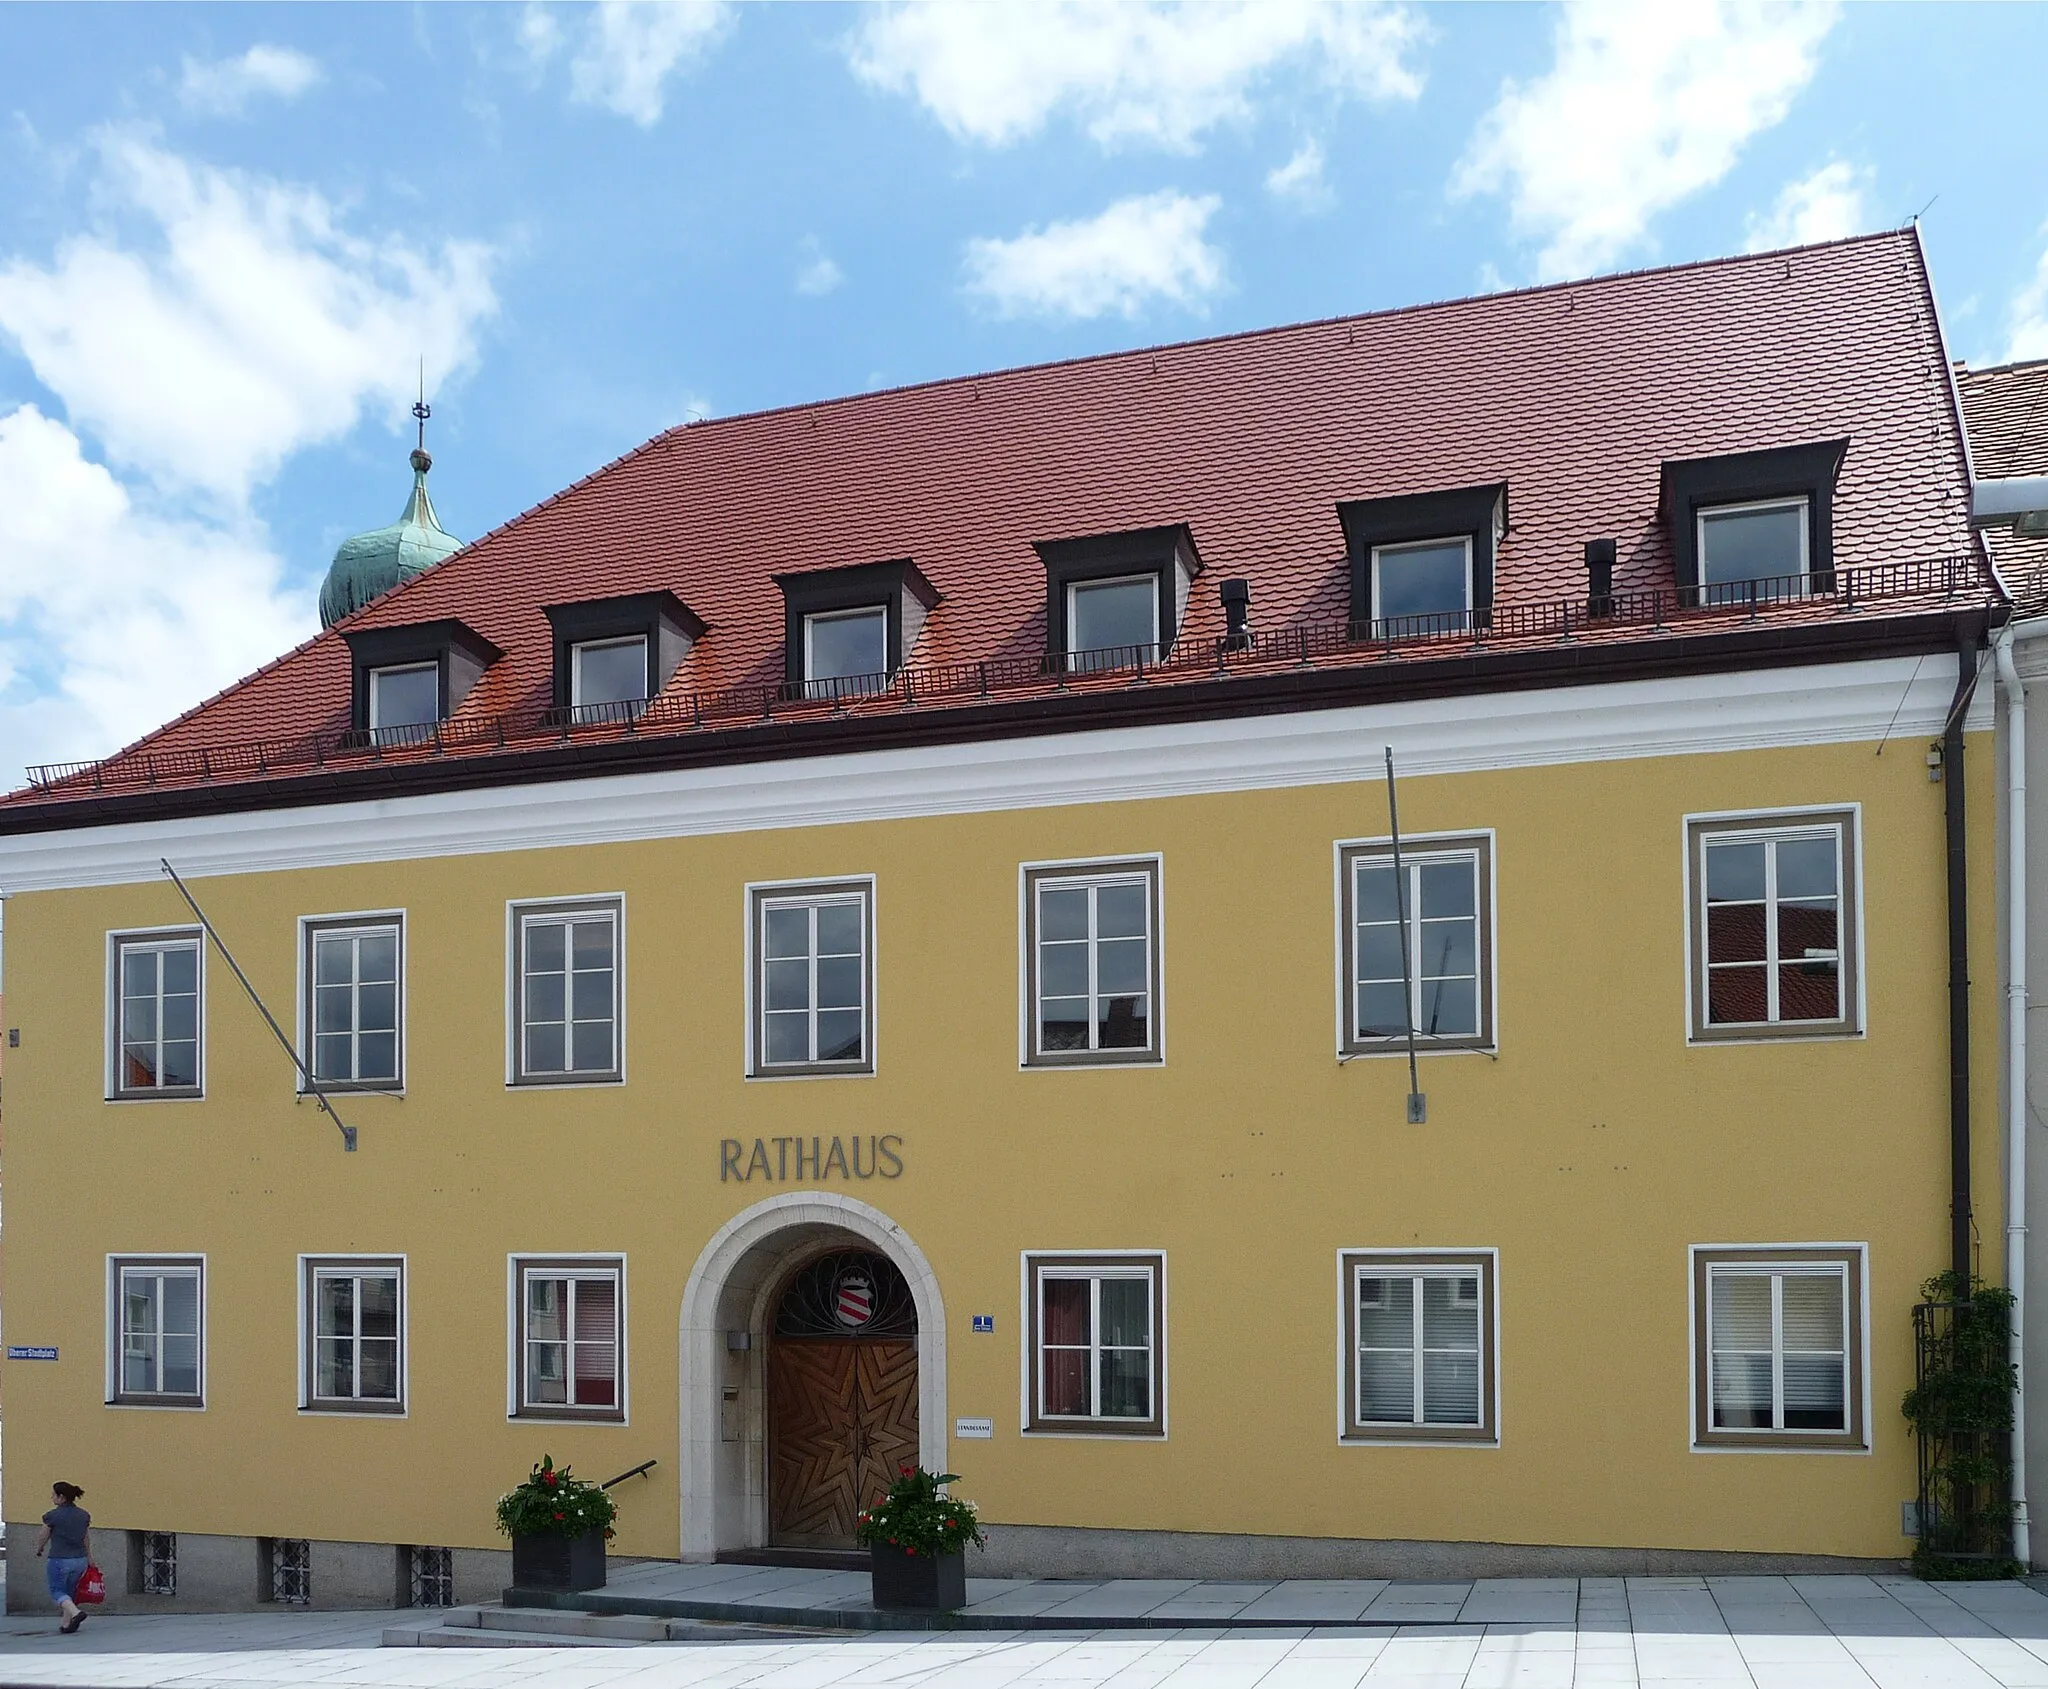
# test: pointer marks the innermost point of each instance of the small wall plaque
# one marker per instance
(982, 1428)
(984, 1322)
(31, 1352)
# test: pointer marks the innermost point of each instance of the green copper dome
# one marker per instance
(376, 562)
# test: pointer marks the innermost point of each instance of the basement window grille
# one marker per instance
(159, 1562)
(291, 1571)
(433, 1577)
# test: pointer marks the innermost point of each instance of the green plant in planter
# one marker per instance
(918, 1517)
(553, 1504)
(1961, 1410)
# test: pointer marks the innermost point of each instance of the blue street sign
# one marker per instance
(31, 1352)
(984, 1322)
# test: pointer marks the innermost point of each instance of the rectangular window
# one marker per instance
(1419, 1347)
(813, 980)
(1095, 1339)
(404, 699)
(430, 1577)
(1778, 1360)
(1744, 543)
(288, 1571)
(1092, 950)
(156, 1563)
(158, 1312)
(846, 652)
(605, 674)
(571, 1339)
(1774, 926)
(1445, 893)
(351, 1036)
(567, 993)
(1424, 587)
(1111, 623)
(156, 1015)
(355, 1323)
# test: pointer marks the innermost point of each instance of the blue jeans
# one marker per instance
(64, 1576)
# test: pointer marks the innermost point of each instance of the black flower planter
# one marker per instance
(918, 1583)
(564, 1563)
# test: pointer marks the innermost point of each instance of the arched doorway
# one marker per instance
(730, 1307)
(842, 1395)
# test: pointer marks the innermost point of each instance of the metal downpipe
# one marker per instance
(2016, 1074)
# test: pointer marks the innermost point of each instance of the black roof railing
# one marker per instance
(1840, 592)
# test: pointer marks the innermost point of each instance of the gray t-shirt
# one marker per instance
(68, 1524)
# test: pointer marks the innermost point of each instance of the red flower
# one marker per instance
(558, 1515)
(908, 1470)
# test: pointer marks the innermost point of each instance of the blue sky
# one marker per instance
(227, 233)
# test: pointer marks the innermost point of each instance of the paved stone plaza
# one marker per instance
(1673, 1633)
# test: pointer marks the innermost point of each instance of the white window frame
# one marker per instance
(563, 1265)
(516, 912)
(1701, 1260)
(1394, 547)
(1031, 876)
(311, 929)
(1740, 824)
(1093, 1264)
(756, 898)
(1150, 581)
(312, 1268)
(811, 618)
(608, 643)
(158, 1266)
(1356, 1263)
(1800, 502)
(1418, 847)
(151, 938)
(372, 685)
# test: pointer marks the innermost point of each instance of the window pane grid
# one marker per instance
(568, 994)
(159, 1014)
(813, 981)
(356, 1335)
(1419, 1338)
(355, 1005)
(1772, 951)
(1778, 1349)
(1094, 964)
(1442, 899)
(571, 1340)
(1095, 1345)
(159, 1331)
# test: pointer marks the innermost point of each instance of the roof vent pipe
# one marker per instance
(1599, 577)
(1237, 615)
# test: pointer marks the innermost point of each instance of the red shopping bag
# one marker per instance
(92, 1586)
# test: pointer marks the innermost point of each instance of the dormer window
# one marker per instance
(1741, 543)
(406, 680)
(846, 631)
(608, 671)
(1753, 524)
(1114, 600)
(405, 695)
(846, 650)
(1422, 563)
(613, 654)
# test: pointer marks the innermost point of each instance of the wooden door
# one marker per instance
(842, 1421)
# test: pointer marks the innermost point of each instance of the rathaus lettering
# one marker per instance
(777, 1159)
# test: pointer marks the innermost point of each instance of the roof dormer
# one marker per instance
(847, 630)
(1423, 562)
(407, 680)
(1112, 599)
(613, 654)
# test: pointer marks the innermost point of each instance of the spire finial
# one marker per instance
(421, 410)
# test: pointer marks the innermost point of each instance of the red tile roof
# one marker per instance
(1572, 394)
(2005, 410)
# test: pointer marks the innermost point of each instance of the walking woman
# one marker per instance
(66, 1534)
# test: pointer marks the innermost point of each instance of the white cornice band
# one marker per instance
(1835, 703)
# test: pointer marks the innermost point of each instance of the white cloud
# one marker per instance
(240, 323)
(1145, 74)
(224, 87)
(1827, 205)
(1300, 181)
(816, 273)
(210, 326)
(2029, 318)
(626, 50)
(1643, 106)
(1144, 249)
(113, 618)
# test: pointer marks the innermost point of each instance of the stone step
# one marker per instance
(556, 1621)
(466, 1638)
(544, 1627)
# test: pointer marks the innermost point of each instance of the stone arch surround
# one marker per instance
(724, 1483)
